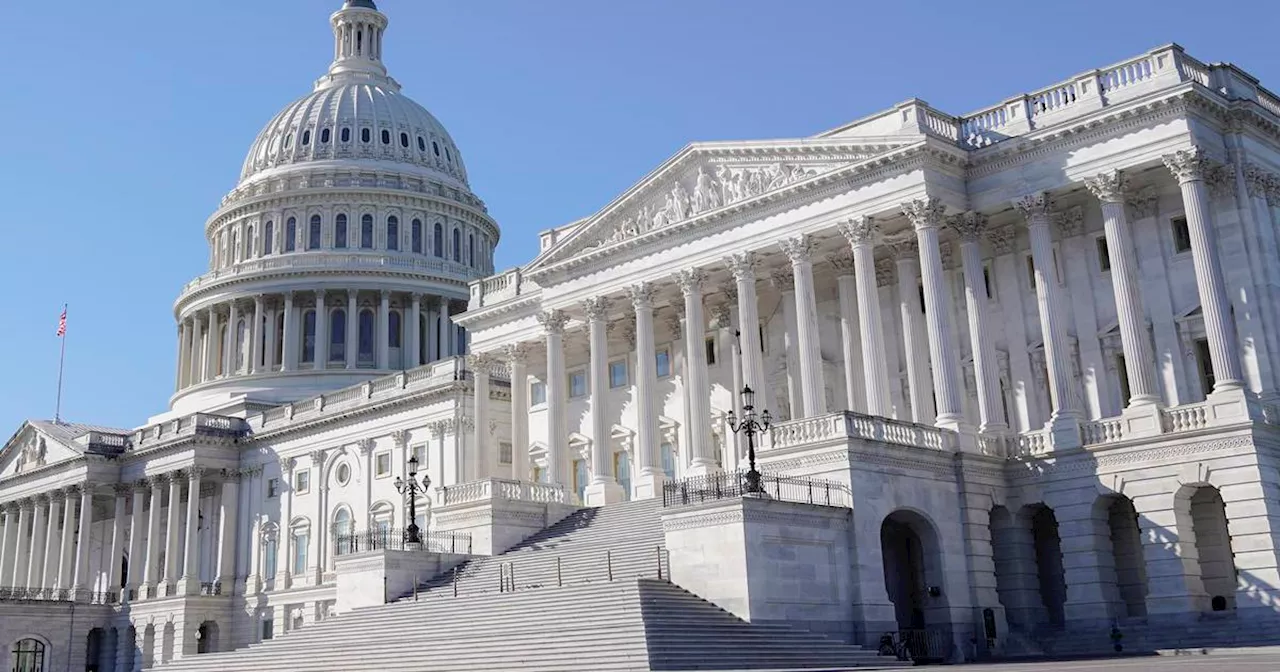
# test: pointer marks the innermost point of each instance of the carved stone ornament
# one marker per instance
(842, 262)
(1187, 164)
(481, 362)
(905, 248)
(1070, 221)
(1255, 180)
(286, 465)
(1108, 186)
(742, 266)
(641, 295)
(553, 321)
(1221, 180)
(969, 226)
(596, 308)
(674, 323)
(400, 438)
(885, 274)
(947, 252)
(690, 281)
(799, 249)
(1273, 190)
(626, 330)
(1003, 239)
(858, 230)
(1034, 206)
(35, 453)
(783, 279)
(365, 446)
(924, 212)
(1144, 203)
(722, 316)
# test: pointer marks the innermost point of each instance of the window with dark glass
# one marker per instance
(393, 329)
(290, 234)
(313, 233)
(346, 135)
(338, 336)
(393, 233)
(1181, 234)
(309, 336)
(447, 155)
(415, 235)
(471, 249)
(422, 144)
(366, 232)
(340, 231)
(457, 245)
(435, 146)
(269, 232)
(404, 139)
(365, 351)
(1104, 255)
(306, 137)
(324, 136)
(386, 137)
(437, 240)
(365, 135)
(663, 361)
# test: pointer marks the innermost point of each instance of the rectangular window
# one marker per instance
(300, 542)
(269, 559)
(577, 383)
(273, 488)
(618, 374)
(393, 236)
(301, 481)
(1204, 363)
(986, 281)
(1124, 380)
(268, 628)
(710, 345)
(668, 459)
(419, 451)
(504, 453)
(1181, 234)
(663, 360)
(1031, 271)
(382, 465)
(580, 479)
(1104, 255)
(537, 393)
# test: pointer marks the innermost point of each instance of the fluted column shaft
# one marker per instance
(483, 448)
(809, 339)
(194, 366)
(231, 348)
(8, 539)
(353, 329)
(601, 434)
(151, 573)
(136, 526)
(860, 233)
(744, 276)
(184, 355)
(646, 381)
(67, 548)
(85, 538)
(412, 359)
(847, 291)
(384, 331)
(39, 530)
(446, 330)
(926, 216)
(228, 518)
(557, 398)
(699, 378)
(917, 357)
(990, 410)
(21, 556)
(212, 347)
(255, 333)
(289, 338)
(321, 348)
(52, 547)
(518, 360)
(171, 530)
(784, 282)
(1189, 167)
(191, 559)
(115, 556)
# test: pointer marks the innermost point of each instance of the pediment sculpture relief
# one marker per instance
(34, 453)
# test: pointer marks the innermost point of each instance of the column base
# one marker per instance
(1142, 418)
(1232, 405)
(603, 493)
(703, 467)
(1064, 430)
(966, 434)
(188, 585)
(648, 484)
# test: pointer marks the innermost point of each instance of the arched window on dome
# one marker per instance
(457, 245)
(365, 135)
(324, 136)
(471, 249)
(242, 341)
(365, 353)
(437, 240)
(366, 232)
(313, 233)
(338, 336)
(309, 336)
(235, 247)
(404, 140)
(345, 135)
(422, 144)
(394, 338)
(306, 137)
(288, 140)
(250, 243)
(393, 233)
(386, 137)
(291, 234)
(415, 237)
(269, 237)
(447, 156)
(435, 146)
(340, 232)
(279, 346)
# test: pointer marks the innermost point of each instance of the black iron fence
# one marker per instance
(25, 594)
(733, 484)
(393, 539)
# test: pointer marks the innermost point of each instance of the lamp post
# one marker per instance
(412, 536)
(750, 426)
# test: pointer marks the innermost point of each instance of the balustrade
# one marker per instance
(849, 425)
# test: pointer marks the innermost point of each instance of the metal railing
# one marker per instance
(921, 645)
(25, 594)
(733, 484)
(393, 539)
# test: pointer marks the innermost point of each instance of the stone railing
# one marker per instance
(1102, 431)
(501, 287)
(104, 443)
(323, 259)
(487, 489)
(1032, 444)
(189, 425)
(1184, 418)
(849, 425)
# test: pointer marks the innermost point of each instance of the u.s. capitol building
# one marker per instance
(1022, 368)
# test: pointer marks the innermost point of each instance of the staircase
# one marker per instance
(615, 542)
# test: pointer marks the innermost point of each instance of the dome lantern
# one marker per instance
(358, 29)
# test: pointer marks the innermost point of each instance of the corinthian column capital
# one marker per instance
(799, 249)
(553, 321)
(1187, 165)
(1108, 186)
(596, 308)
(1035, 205)
(969, 226)
(924, 212)
(858, 230)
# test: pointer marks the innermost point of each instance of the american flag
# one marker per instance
(62, 324)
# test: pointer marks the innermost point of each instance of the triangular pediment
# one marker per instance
(702, 179)
(33, 448)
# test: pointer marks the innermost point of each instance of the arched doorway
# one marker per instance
(93, 650)
(1048, 554)
(207, 637)
(913, 580)
(1213, 547)
(1122, 535)
(149, 645)
(28, 655)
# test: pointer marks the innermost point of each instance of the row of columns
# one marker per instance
(207, 352)
(46, 558)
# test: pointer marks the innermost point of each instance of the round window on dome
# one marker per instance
(346, 135)
(365, 135)
(404, 139)
(344, 474)
(386, 137)
(422, 144)
(324, 136)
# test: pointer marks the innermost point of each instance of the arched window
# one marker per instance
(290, 235)
(415, 235)
(338, 336)
(422, 144)
(366, 232)
(300, 535)
(471, 249)
(393, 233)
(309, 336)
(457, 245)
(437, 240)
(28, 655)
(288, 141)
(365, 353)
(381, 517)
(386, 137)
(343, 532)
(235, 247)
(251, 243)
(404, 140)
(448, 157)
(435, 146)
(242, 340)
(346, 135)
(393, 329)
(269, 237)
(270, 559)
(340, 232)
(306, 137)
(365, 135)
(313, 233)
(324, 136)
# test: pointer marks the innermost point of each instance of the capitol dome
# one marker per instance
(344, 249)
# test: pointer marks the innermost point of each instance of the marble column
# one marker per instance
(742, 265)
(698, 383)
(84, 541)
(52, 549)
(914, 337)
(553, 322)
(151, 573)
(321, 348)
(480, 365)
(445, 342)
(353, 330)
(1189, 167)
(191, 559)
(231, 348)
(137, 525)
(518, 360)
(274, 356)
(171, 537)
(212, 347)
(860, 232)
(39, 530)
(785, 283)
(67, 547)
(723, 316)
(115, 555)
(648, 482)
(1064, 417)
(799, 250)
(256, 333)
(970, 227)
(384, 331)
(21, 555)
(194, 366)
(850, 338)
(1109, 188)
(8, 537)
(228, 518)
(926, 218)
(604, 488)
(184, 354)
(288, 338)
(413, 358)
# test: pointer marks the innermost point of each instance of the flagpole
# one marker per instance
(62, 358)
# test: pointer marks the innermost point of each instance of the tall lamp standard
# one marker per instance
(750, 426)
(412, 535)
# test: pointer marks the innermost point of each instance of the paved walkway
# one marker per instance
(1262, 661)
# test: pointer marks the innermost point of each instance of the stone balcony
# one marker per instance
(341, 261)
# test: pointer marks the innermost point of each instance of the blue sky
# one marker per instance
(128, 121)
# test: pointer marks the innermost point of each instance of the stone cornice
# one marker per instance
(1074, 463)
(375, 407)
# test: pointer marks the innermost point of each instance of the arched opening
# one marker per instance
(365, 353)
(242, 344)
(149, 645)
(415, 235)
(1213, 547)
(340, 232)
(1014, 556)
(457, 246)
(111, 645)
(393, 233)
(207, 637)
(127, 638)
(437, 240)
(343, 532)
(291, 234)
(471, 249)
(338, 335)
(366, 232)
(313, 233)
(167, 639)
(394, 339)
(1120, 532)
(308, 336)
(94, 644)
(300, 540)
(1048, 553)
(28, 655)
(913, 574)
